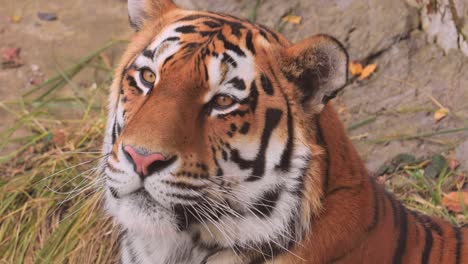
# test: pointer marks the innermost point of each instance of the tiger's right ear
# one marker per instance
(318, 66)
(141, 11)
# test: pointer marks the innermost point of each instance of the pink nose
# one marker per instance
(143, 162)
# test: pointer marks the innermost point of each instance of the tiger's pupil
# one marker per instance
(224, 101)
(149, 76)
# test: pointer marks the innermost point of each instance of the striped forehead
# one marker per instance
(228, 67)
(165, 45)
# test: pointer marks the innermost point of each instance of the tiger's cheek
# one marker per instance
(233, 133)
(130, 100)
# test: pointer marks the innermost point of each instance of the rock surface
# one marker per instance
(461, 153)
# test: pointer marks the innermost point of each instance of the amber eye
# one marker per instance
(223, 101)
(148, 76)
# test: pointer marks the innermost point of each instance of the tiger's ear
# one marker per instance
(140, 11)
(318, 66)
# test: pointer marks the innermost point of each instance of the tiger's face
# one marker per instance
(208, 132)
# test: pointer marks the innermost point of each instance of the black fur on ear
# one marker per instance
(318, 66)
(140, 11)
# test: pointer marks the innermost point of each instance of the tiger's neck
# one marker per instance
(347, 212)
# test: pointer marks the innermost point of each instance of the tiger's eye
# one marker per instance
(148, 76)
(224, 101)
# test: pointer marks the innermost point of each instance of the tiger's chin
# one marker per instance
(141, 215)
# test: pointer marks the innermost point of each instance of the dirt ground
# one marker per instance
(413, 75)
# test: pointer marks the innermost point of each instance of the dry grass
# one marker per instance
(50, 198)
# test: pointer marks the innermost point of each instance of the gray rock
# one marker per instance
(461, 153)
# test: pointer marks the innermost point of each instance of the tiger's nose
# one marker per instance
(146, 163)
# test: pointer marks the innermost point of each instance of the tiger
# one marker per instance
(223, 146)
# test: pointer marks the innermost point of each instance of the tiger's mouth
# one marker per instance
(185, 215)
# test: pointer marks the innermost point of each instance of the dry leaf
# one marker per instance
(11, 58)
(16, 18)
(453, 163)
(454, 200)
(441, 114)
(355, 68)
(367, 71)
(106, 60)
(60, 137)
(292, 19)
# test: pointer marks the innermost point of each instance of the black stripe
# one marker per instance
(183, 185)
(244, 128)
(168, 59)
(383, 206)
(114, 193)
(393, 203)
(113, 169)
(184, 196)
(270, 31)
(428, 221)
(272, 118)
(195, 17)
(171, 39)
(402, 237)
(228, 59)
(264, 34)
(133, 256)
(207, 77)
(230, 46)
(299, 188)
(266, 84)
(114, 131)
(253, 96)
(285, 163)
(186, 29)
(326, 173)
(265, 205)
(148, 53)
(237, 83)
(211, 24)
(249, 42)
(131, 82)
(376, 210)
(459, 239)
(236, 26)
(252, 99)
(427, 246)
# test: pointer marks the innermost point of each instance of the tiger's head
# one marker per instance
(211, 128)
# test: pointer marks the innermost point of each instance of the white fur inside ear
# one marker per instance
(136, 12)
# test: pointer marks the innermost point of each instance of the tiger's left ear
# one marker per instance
(141, 11)
(318, 66)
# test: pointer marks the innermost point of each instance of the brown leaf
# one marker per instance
(292, 19)
(441, 114)
(453, 163)
(367, 71)
(431, 8)
(454, 200)
(60, 137)
(355, 68)
(11, 58)
(16, 19)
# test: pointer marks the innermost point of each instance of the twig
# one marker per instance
(362, 123)
(457, 20)
(253, 15)
(422, 135)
